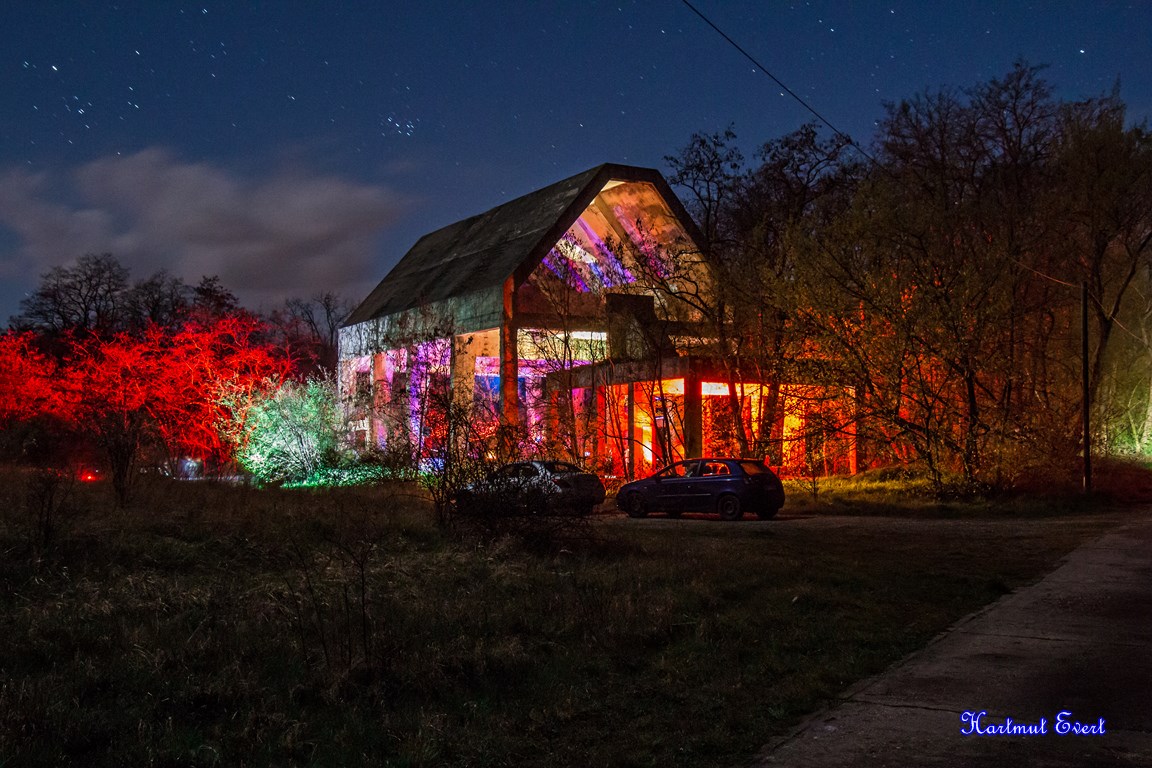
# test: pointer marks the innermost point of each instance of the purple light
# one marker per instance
(644, 244)
(606, 253)
(566, 271)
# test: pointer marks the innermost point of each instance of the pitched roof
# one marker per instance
(485, 250)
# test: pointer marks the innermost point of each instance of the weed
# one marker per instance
(210, 624)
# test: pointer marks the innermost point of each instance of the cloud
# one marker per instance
(288, 234)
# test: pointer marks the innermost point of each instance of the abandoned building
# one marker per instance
(574, 315)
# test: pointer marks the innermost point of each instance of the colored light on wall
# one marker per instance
(719, 388)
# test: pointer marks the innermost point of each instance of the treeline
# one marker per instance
(96, 297)
(938, 273)
(130, 377)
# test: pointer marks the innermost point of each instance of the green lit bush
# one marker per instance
(293, 434)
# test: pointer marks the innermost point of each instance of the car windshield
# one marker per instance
(512, 471)
(561, 467)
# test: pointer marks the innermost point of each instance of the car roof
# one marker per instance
(541, 463)
(719, 458)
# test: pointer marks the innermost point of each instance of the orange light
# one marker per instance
(720, 388)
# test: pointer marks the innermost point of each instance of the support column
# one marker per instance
(462, 383)
(416, 403)
(509, 359)
(693, 416)
(381, 393)
(592, 439)
(464, 371)
(632, 443)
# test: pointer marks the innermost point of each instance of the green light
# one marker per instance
(293, 435)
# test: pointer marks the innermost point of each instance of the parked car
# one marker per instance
(725, 486)
(534, 487)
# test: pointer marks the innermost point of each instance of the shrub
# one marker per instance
(293, 434)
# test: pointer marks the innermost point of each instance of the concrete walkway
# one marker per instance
(1079, 641)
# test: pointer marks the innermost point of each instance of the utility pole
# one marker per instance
(1084, 408)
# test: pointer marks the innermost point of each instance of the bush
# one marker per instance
(294, 434)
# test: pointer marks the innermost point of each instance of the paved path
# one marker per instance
(1079, 641)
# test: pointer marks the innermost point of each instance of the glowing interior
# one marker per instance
(621, 429)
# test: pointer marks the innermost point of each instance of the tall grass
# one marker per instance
(216, 625)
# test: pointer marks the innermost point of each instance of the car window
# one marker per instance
(679, 469)
(561, 467)
(753, 467)
(712, 468)
(515, 472)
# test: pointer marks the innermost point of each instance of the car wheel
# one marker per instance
(767, 513)
(728, 507)
(636, 506)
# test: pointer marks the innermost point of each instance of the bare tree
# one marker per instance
(161, 299)
(311, 328)
(89, 296)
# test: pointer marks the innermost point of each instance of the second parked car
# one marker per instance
(536, 488)
(726, 486)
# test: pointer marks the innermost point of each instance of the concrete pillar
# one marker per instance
(693, 416)
(593, 438)
(381, 394)
(631, 443)
(463, 371)
(509, 358)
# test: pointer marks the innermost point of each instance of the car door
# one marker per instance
(673, 486)
(509, 486)
(504, 483)
(534, 488)
(715, 479)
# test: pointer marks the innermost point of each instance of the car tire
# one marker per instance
(767, 513)
(635, 506)
(728, 507)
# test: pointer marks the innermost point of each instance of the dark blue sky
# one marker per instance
(295, 147)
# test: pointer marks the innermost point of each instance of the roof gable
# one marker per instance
(510, 240)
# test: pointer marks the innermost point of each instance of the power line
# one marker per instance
(778, 82)
(828, 123)
(848, 138)
(1043, 275)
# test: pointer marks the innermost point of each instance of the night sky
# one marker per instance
(293, 147)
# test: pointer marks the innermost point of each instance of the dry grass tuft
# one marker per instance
(222, 625)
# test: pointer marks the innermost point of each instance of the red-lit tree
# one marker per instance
(158, 394)
(33, 415)
(27, 380)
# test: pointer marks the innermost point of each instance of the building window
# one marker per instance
(363, 391)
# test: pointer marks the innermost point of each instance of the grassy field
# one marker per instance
(215, 625)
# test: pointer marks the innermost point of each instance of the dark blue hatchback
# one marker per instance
(725, 486)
